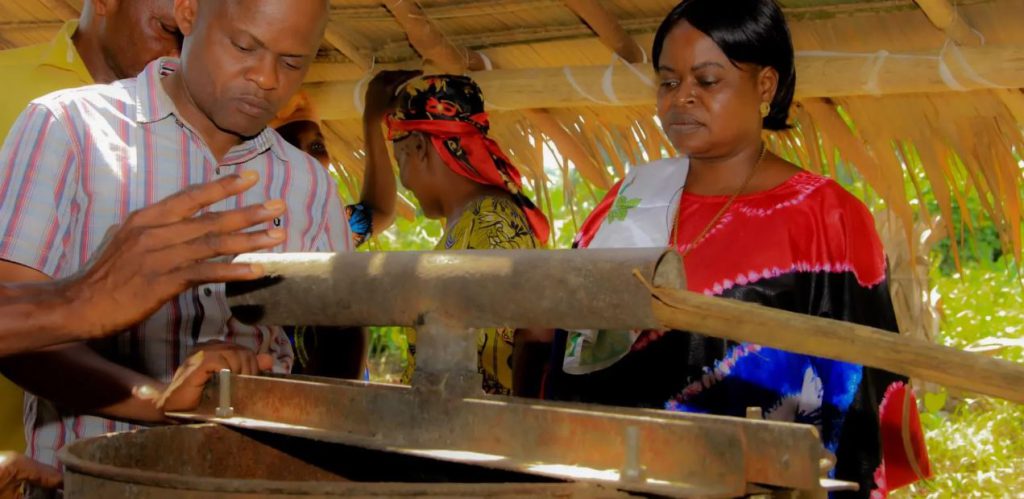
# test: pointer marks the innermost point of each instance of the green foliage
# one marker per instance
(976, 444)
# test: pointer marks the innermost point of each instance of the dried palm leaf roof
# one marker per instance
(882, 84)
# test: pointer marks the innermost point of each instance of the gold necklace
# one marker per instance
(725, 207)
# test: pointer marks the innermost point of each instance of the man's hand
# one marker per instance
(380, 93)
(16, 470)
(163, 249)
(186, 389)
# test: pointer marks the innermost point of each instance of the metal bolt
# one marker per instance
(632, 471)
(224, 409)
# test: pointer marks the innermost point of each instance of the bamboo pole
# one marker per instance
(429, 41)
(348, 47)
(838, 340)
(819, 75)
(608, 29)
(61, 8)
(515, 89)
(947, 18)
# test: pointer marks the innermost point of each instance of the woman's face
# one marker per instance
(707, 105)
(307, 136)
(415, 171)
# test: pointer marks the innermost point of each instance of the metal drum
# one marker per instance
(212, 461)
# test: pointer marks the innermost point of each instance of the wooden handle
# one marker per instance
(845, 341)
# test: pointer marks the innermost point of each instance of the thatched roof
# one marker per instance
(940, 79)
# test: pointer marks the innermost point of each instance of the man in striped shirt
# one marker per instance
(129, 278)
(78, 161)
(84, 51)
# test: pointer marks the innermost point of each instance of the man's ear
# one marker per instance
(185, 15)
(105, 7)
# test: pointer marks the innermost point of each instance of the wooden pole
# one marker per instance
(61, 8)
(844, 341)
(947, 18)
(517, 89)
(349, 47)
(818, 75)
(608, 29)
(430, 42)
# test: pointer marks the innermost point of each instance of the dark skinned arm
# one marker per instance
(159, 252)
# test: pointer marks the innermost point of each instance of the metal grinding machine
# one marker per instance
(278, 436)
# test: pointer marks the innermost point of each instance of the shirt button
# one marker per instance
(217, 170)
(208, 292)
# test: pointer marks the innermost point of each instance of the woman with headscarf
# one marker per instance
(439, 132)
(341, 352)
(754, 227)
(299, 124)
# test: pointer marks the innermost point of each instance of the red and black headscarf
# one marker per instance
(450, 110)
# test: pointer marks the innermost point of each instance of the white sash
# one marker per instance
(640, 217)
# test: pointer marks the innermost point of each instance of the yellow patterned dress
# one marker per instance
(492, 222)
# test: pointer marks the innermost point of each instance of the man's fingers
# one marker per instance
(234, 361)
(252, 365)
(209, 272)
(214, 245)
(189, 201)
(241, 360)
(211, 224)
(186, 388)
(40, 474)
(265, 362)
(246, 361)
(17, 468)
(188, 263)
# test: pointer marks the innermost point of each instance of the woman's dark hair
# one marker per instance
(748, 31)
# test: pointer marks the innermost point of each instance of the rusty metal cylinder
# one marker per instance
(579, 289)
(214, 462)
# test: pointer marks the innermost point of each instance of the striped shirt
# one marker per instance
(78, 161)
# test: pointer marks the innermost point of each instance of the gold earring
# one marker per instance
(766, 109)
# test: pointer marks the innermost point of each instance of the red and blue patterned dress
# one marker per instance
(805, 246)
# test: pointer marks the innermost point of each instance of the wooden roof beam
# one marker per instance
(608, 29)
(945, 16)
(351, 48)
(428, 40)
(61, 8)
(991, 67)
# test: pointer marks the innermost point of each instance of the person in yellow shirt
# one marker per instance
(111, 40)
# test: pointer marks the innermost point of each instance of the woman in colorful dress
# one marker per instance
(750, 226)
(459, 174)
